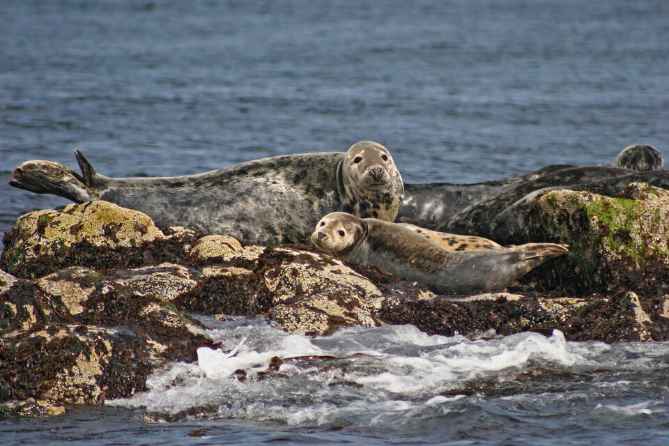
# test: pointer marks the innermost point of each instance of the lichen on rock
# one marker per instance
(616, 243)
(96, 233)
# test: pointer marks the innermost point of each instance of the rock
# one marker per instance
(228, 290)
(614, 319)
(222, 250)
(140, 299)
(30, 408)
(97, 234)
(216, 247)
(316, 294)
(19, 309)
(71, 364)
(616, 243)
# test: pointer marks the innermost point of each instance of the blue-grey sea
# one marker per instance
(460, 91)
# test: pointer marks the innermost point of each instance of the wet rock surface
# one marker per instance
(94, 298)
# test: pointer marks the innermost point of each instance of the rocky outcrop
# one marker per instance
(608, 319)
(617, 243)
(95, 297)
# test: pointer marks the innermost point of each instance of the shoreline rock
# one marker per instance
(94, 297)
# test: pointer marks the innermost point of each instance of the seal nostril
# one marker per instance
(376, 173)
(322, 235)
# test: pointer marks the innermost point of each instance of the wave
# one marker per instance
(356, 376)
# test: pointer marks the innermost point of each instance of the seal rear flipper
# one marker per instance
(86, 168)
(48, 177)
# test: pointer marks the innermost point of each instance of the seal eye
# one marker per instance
(357, 159)
(384, 157)
(322, 223)
(341, 233)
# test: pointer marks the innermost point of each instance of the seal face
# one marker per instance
(338, 233)
(372, 184)
(641, 157)
(400, 251)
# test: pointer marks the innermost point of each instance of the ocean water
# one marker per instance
(460, 91)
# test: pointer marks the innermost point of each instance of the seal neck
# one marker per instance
(356, 251)
(341, 187)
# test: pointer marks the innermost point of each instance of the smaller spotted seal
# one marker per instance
(454, 242)
(402, 252)
(641, 157)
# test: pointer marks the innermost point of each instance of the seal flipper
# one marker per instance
(522, 259)
(48, 177)
(86, 168)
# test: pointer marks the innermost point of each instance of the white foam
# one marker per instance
(643, 408)
(400, 377)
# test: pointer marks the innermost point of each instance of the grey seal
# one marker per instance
(398, 250)
(472, 208)
(268, 201)
(641, 157)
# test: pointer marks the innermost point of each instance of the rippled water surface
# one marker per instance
(461, 91)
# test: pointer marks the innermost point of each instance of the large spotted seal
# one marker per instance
(400, 251)
(267, 201)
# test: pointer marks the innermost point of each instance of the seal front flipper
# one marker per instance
(48, 177)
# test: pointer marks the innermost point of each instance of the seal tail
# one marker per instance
(48, 177)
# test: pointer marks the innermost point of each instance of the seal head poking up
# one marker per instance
(641, 157)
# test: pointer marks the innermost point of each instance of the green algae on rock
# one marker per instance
(616, 243)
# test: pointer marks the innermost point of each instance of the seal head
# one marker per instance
(641, 157)
(338, 233)
(370, 183)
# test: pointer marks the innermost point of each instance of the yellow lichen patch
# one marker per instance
(6, 281)
(665, 307)
(98, 223)
(166, 281)
(284, 282)
(216, 246)
(72, 286)
(232, 272)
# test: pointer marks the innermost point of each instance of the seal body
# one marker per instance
(472, 208)
(267, 201)
(398, 250)
(453, 242)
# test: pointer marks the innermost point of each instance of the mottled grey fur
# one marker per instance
(641, 157)
(268, 201)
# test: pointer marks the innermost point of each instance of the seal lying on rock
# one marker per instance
(472, 208)
(267, 201)
(402, 252)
